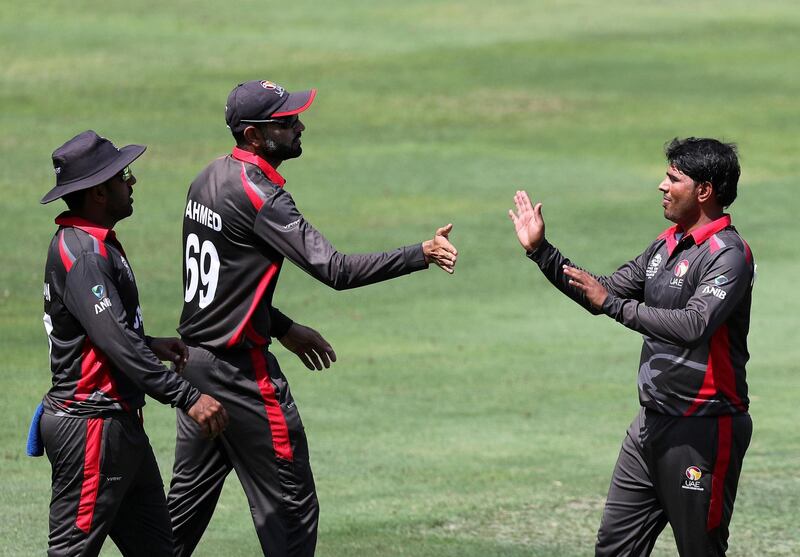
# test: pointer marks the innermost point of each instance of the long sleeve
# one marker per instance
(281, 225)
(626, 282)
(278, 323)
(91, 295)
(723, 283)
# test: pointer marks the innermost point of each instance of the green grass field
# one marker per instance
(473, 415)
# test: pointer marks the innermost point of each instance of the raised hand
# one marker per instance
(313, 350)
(528, 221)
(440, 251)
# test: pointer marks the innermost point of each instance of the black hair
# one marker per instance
(707, 160)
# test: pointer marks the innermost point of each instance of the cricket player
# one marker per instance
(105, 478)
(240, 226)
(689, 295)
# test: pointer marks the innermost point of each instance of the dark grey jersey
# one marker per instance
(98, 350)
(238, 226)
(689, 295)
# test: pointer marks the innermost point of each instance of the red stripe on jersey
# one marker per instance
(95, 375)
(91, 474)
(719, 358)
(707, 391)
(260, 289)
(252, 335)
(716, 506)
(66, 257)
(719, 375)
(277, 421)
(748, 255)
(255, 199)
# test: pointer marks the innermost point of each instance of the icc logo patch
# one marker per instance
(652, 268)
(98, 291)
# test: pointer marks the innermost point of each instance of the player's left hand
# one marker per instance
(170, 349)
(595, 292)
(313, 350)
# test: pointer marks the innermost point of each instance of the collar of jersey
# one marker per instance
(99, 232)
(701, 234)
(271, 174)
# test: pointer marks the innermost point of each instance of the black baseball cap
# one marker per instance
(256, 101)
(87, 160)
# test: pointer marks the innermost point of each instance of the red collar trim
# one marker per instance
(99, 232)
(271, 174)
(699, 235)
(669, 236)
(703, 233)
(669, 233)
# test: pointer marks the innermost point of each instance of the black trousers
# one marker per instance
(105, 482)
(681, 470)
(265, 443)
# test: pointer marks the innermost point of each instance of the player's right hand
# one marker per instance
(210, 415)
(528, 221)
(440, 251)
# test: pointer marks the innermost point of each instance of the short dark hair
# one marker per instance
(707, 160)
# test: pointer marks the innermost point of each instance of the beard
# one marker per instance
(283, 151)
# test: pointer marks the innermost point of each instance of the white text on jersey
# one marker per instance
(202, 214)
(101, 307)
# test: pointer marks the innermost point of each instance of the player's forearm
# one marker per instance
(352, 271)
(281, 226)
(684, 327)
(109, 331)
(311, 251)
(709, 306)
(129, 354)
(551, 262)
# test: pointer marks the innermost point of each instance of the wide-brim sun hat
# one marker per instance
(88, 160)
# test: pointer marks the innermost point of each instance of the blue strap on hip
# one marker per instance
(35, 443)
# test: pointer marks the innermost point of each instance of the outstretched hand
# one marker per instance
(314, 351)
(440, 251)
(528, 221)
